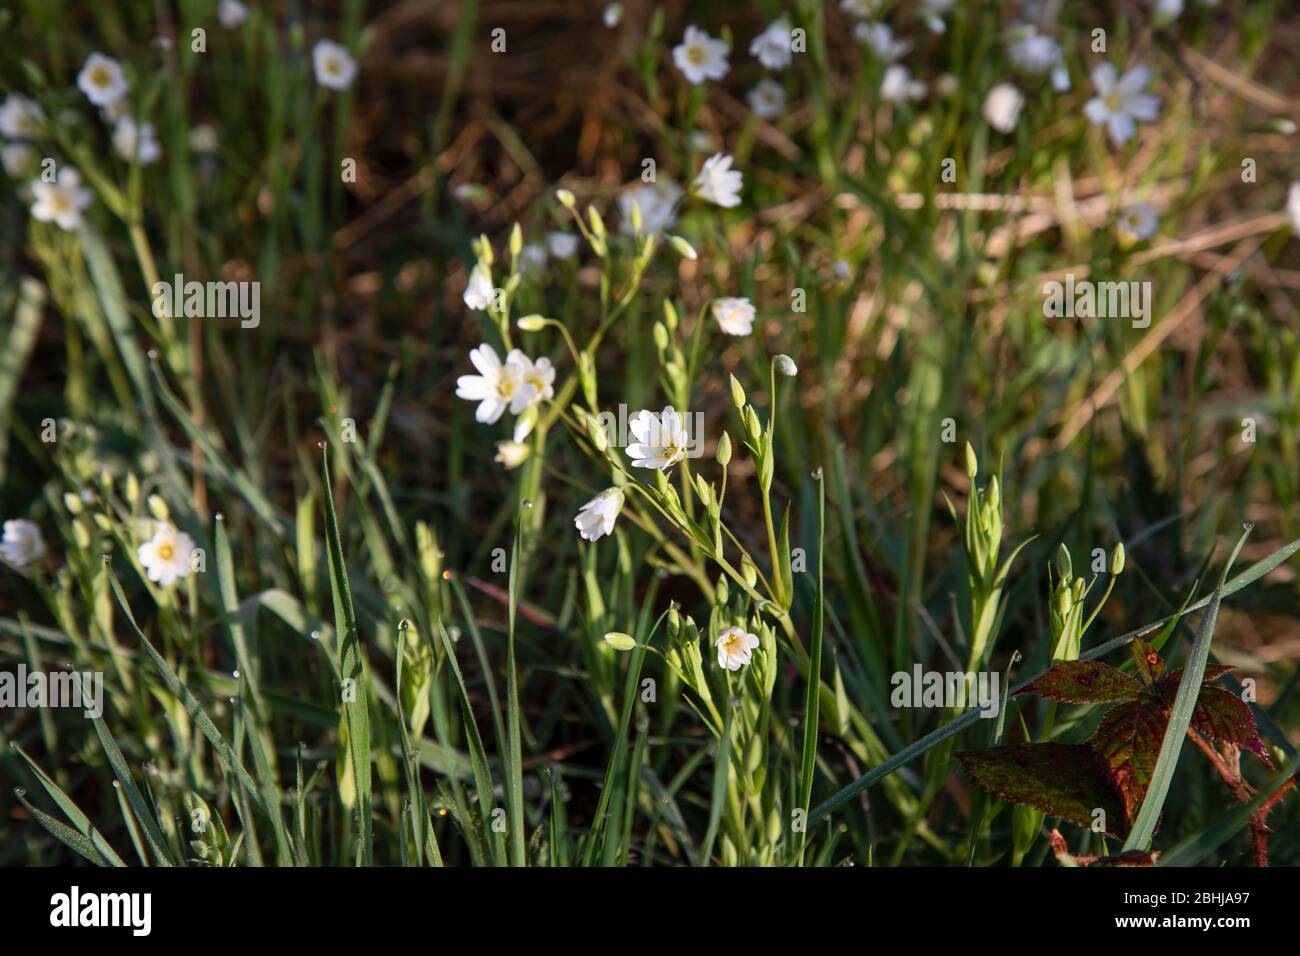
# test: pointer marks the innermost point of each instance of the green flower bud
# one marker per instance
(1117, 559)
(724, 450)
(972, 463)
(532, 323)
(737, 393)
(565, 197)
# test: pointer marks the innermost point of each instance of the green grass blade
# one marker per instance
(812, 698)
(100, 851)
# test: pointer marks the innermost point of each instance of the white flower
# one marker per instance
(1167, 11)
(62, 201)
(102, 80)
(563, 245)
(700, 57)
(136, 141)
(1119, 103)
(22, 543)
(881, 40)
(735, 647)
(1060, 78)
(718, 183)
(479, 293)
(20, 118)
(772, 47)
(1139, 221)
(334, 66)
(898, 85)
(512, 454)
(1030, 50)
(1293, 207)
(596, 518)
(932, 12)
(656, 201)
(767, 99)
(538, 375)
(532, 258)
(613, 15)
(661, 440)
(231, 13)
(166, 556)
(18, 159)
(860, 8)
(1002, 107)
(498, 385)
(735, 316)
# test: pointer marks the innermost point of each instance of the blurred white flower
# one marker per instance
(898, 85)
(22, 543)
(512, 454)
(19, 160)
(612, 15)
(479, 292)
(767, 99)
(231, 13)
(62, 201)
(1030, 50)
(735, 647)
(136, 141)
(661, 440)
(772, 47)
(1119, 103)
(932, 12)
(532, 258)
(20, 118)
(718, 183)
(596, 518)
(1139, 221)
(102, 80)
(861, 8)
(735, 316)
(334, 66)
(1002, 107)
(1293, 207)
(657, 202)
(1167, 11)
(203, 139)
(498, 385)
(879, 38)
(562, 245)
(700, 57)
(166, 556)
(538, 375)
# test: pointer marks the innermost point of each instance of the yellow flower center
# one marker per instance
(333, 67)
(695, 54)
(730, 642)
(1112, 102)
(166, 551)
(99, 76)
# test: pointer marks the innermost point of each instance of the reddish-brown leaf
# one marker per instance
(1168, 686)
(1064, 780)
(1128, 741)
(1150, 665)
(1223, 716)
(1084, 682)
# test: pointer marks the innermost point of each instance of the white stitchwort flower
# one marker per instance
(22, 543)
(498, 385)
(166, 556)
(538, 375)
(334, 66)
(661, 440)
(1030, 50)
(1139, 221)
(62, 201)
(735, 647)
(898, 85)
(231, 13)
(700, 57)
(1119, 103)
(718, 183)
(532, 258)
(203, 139)
(18, 159)
(735, 316)
(880, 40)
(102, 80)
(861, 8)
(596, 518)
(562, 245)
(772, 47)
(767, 99)
(20, 118)
(657, 202)
(1293, 207)
(932, 12)
(479, 293)
(136, 140)
(1167, 11)
(1002, 107)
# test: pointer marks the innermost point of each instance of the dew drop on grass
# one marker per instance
(235, 675)
(527, 504)
(817, 474)
(314, 636)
